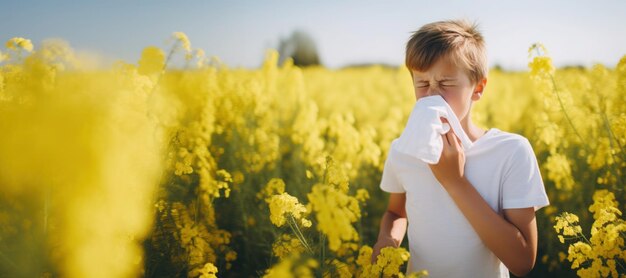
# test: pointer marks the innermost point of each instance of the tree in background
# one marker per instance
(300, 47)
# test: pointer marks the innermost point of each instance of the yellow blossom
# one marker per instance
(388, 262)
(559, 171)
(187, 234)
(292, 267)
(183, 166)
(18, 43)
(182, 38)
(602, 254)
(208, 271)
(603, 199)
(274, 186)
(362, 195)
(286, 246)
(152, 60)
(335, 212)
(282, 204)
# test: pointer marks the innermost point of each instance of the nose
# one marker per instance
(432, 90)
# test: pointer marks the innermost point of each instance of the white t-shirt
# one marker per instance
(441, 239)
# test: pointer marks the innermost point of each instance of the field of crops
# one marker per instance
(143, 169)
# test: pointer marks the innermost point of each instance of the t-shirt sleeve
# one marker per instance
(389, 181)
(522, 184)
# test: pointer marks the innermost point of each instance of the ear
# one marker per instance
(479, 89)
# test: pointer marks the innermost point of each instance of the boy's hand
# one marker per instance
(450, 168)
(380, 244)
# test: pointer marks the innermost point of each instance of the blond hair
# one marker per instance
(456, 39)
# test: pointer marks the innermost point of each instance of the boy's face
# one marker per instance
(452, 83)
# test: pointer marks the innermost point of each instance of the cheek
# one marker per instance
(456, 102)
(420, 92)
(450, 96)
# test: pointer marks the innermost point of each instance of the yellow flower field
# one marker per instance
(143, 169)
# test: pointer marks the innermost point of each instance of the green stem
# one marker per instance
(151, 94)
(197, 208)
(611, 134)
(299, 235)
(326, 170)
(167, 60)
(612, 166)
(323, 251)
(569, 120)
(556, 92)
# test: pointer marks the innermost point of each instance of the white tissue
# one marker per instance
(446, 127)
(421, 138)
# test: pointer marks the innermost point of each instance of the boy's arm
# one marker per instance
(514, 239)
(392, 225)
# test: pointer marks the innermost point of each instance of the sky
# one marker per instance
(345, 32)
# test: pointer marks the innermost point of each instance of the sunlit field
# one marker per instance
(143, 169)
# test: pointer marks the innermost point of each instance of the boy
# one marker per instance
(473, 213)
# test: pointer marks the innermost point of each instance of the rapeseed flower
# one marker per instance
(287, 245)
(273, 187)
(602, 254)
(19, 43)
(559, 171)
(388, 262)
(293, 266)
(152, 60)
(284, 203)
(183, 39)
(335, 212)
(568, 224)
(208, 271)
